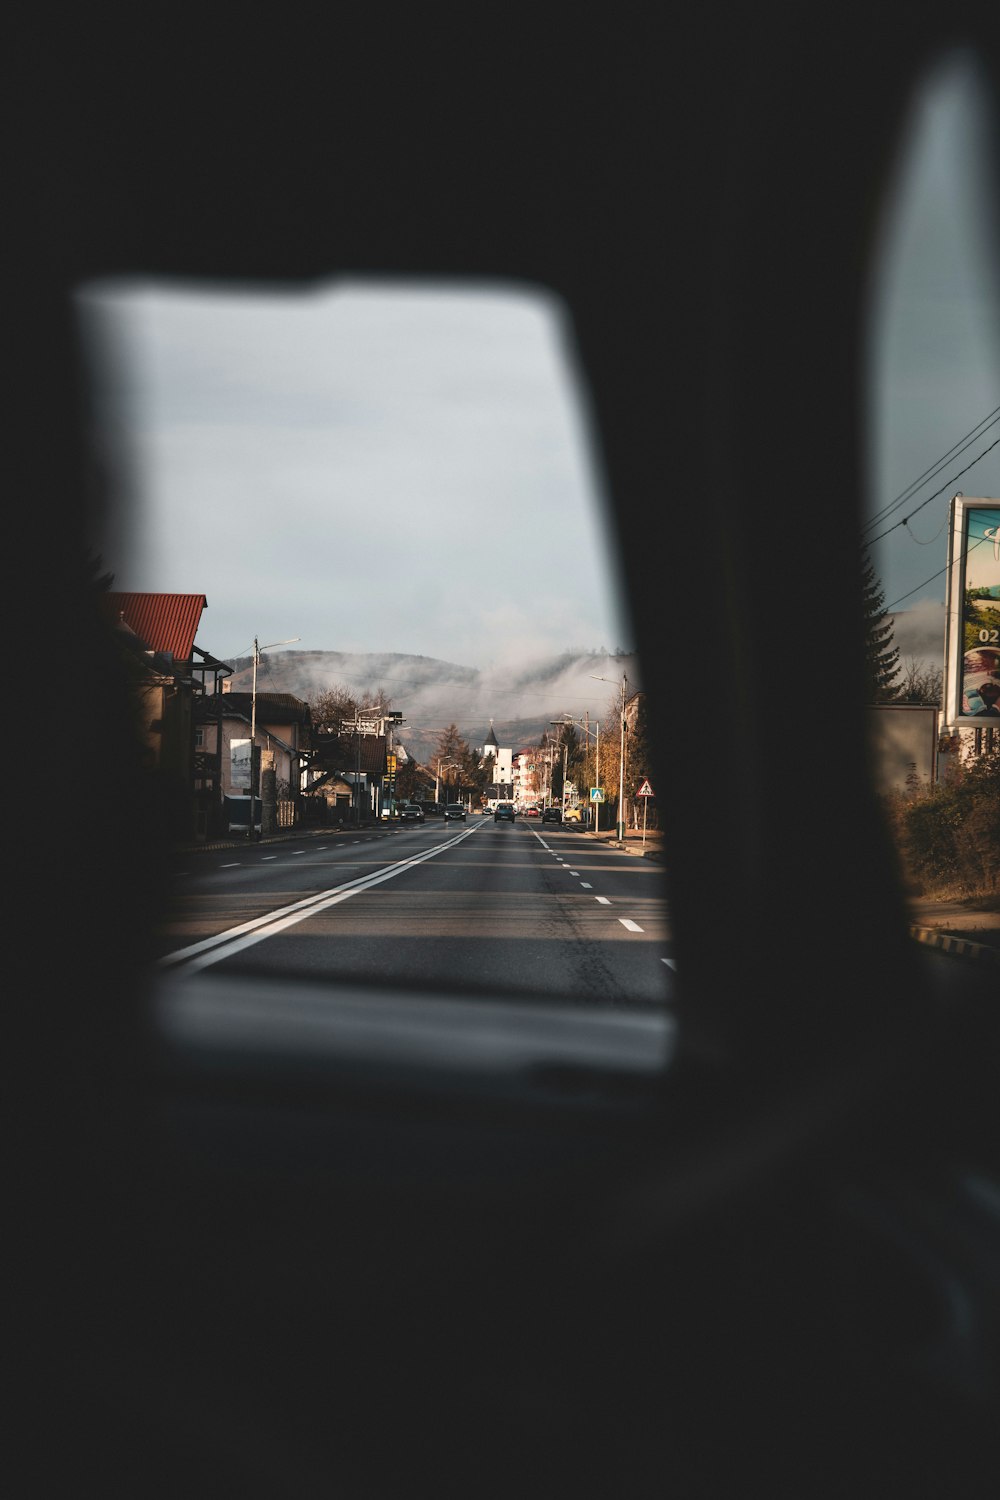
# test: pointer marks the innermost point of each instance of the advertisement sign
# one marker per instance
(972, 648)
(239, 765)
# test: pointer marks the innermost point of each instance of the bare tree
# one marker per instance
(920, 684)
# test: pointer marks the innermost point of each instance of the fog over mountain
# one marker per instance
(521, 701)
(918, 633)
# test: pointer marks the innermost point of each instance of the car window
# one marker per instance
(272, 415)
(933, 391)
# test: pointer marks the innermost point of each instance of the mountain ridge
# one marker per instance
(519, 701)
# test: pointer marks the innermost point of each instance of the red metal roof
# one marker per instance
(165, 622)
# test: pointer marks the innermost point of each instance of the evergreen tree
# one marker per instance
(881, 656)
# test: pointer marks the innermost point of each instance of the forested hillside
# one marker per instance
(521, 702)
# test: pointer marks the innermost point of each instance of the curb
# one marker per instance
(959, 947)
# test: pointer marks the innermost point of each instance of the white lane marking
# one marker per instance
(632, 926)
(269, 856)
(297, 851)
(603, 900)
(671, 962)
(574, 872)
(233, 864)
(224, 944)
(586, 885)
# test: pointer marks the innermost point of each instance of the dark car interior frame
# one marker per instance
(769, 1267)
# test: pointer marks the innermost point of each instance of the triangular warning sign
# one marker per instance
(645, 790)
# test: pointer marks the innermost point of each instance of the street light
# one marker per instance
(253, 720)
(595, 735)
(562, 724)
(444, 765)
(621, 757)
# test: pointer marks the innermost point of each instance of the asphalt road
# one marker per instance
(483, 907)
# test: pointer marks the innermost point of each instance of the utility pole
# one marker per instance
(597, 775)
(621, 769)
(254, 788)
(621, 756)
(391, 720)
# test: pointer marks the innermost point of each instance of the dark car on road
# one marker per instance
(505, 811)
(454, 810)
(552, 815)
(411, 813)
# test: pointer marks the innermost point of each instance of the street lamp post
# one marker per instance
(621, 757)
(253, 718)
(443, 765)
(594, 734)
(392, 720)
(561, 724)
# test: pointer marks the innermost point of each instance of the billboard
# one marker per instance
(972, 644)
(239, 765)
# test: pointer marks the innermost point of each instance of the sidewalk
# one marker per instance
(964, 930)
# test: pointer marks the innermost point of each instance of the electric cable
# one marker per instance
(959, 447)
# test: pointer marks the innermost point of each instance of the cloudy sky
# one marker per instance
(376, 467)
(367, 467)
(934, 367)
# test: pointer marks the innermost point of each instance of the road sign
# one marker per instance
(596, 794)
(645, 790)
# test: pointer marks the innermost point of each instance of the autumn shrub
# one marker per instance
(949, 835)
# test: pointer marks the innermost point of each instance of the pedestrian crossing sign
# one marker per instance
(596, 794)
(645, 790)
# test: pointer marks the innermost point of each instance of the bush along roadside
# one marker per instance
(948, 836)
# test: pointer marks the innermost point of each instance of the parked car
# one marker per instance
(573, 815)
(454, 810)
(552, 815)
(504, 812)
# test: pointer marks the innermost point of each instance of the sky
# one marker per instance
(367, 467)
(404, 467)
(934, 352)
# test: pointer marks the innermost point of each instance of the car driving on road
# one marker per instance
(455, 810)
(552, 815)
(505, 812)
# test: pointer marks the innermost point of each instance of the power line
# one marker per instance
(945, 487)
(938, 574)
(959, 447)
